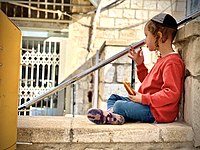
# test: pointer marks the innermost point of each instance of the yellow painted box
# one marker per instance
(10, 39)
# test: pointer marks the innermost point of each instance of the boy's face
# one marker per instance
(150, 39)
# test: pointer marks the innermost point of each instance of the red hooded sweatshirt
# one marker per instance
(161, 88)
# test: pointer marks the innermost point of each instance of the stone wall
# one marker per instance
(111, 76)
(83, 90)
(188, 43)
(123, 23)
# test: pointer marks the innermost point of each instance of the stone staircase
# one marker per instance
(77, 133)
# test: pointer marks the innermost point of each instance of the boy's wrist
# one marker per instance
(140, 64)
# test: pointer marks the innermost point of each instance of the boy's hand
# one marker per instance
(136, 98)
(136, 56)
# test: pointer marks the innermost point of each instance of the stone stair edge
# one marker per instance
(64, 129)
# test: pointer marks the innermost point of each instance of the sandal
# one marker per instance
(99, 116)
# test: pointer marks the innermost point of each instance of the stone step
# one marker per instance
(77, 133)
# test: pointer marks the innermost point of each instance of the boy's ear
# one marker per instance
(159, 34)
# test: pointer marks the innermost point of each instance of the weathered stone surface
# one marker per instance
(115, 13)
(113, 34)
(129, 13)
(191, 29)
(188, 43)
(124, 73)
(112, 50)
(113, 88)
(43, 129)
(163, 4)
(123, 60)
(191, 107)
(136, 4)
(86, 132)
(130, 132)
(79, 133)
(135, 132)
(141, 14)
(175, 132)
(109, 73)
(152, 5)
(191, 55)
(107, 22)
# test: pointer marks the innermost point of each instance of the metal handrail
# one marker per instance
(79, 76)
(65, 83)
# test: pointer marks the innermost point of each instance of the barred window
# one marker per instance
(40, 9)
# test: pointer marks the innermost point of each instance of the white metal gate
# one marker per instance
(39, 72)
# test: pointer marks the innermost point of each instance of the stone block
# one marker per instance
(120, 22)
(43, 129)
(104, 13)
(141, 14)
(109, 73)
(45, 133)
(82, 85)
(86, 132)
(191, 107)
(152, 13)
(80, 96)
(92, 133)
(112, 50)
(176, 132)
(115, 13)
(107, 34)
(128, 34)
(137, 132)
(125, 5)
(188, 105)
(123, 60)
(129, 13)
(124, 73)
(150, 5)
(117, 42)
(107, 22)
(82, 108)
(191, 29)
(113, 88)
(191, 56)
(136, 4)
(162, 5)
(105, 3)
(180, 36)
(138, 25)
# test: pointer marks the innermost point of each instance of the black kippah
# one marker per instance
(166, 20)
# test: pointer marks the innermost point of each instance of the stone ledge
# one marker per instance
(191, 29)
(68, 130)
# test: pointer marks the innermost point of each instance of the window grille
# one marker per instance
(39, 72)
(40, 9)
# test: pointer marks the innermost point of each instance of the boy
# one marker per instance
(157, 99)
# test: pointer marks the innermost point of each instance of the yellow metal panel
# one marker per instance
(10, 38)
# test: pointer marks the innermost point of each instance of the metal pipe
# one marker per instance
(96, 83)
(73, 99)
(79, 76)
(101, 64)
(188, 18)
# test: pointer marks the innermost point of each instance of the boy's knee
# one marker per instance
(113, 95)
(118, 107)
